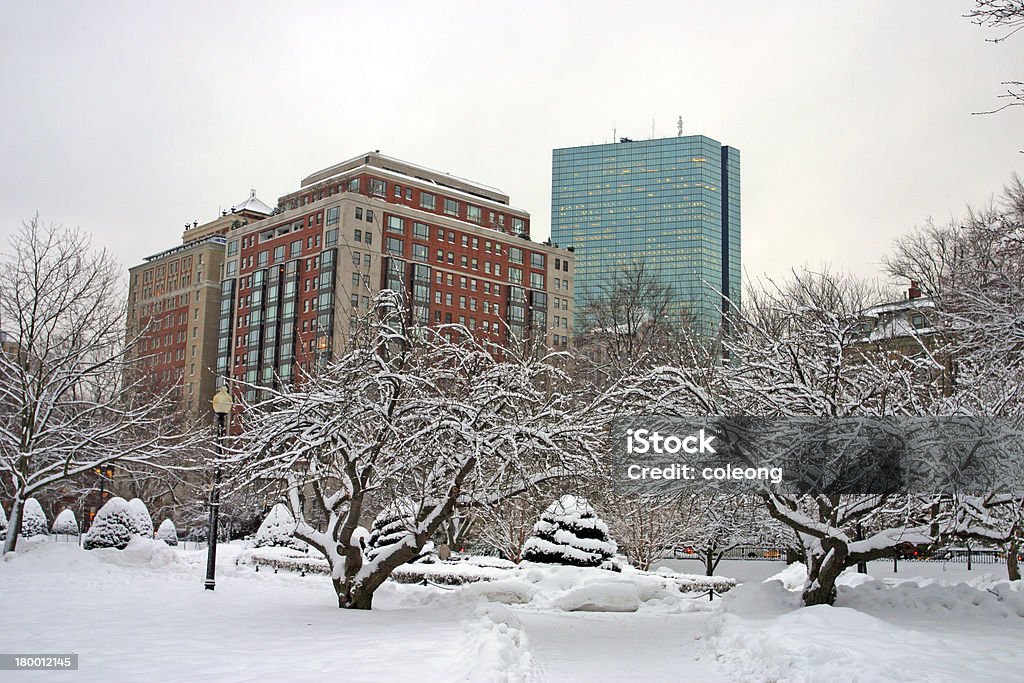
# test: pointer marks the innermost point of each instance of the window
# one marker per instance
(474, 264)
(515, 255)
(231, 268)
(451, 237)
(448, 298)
(518, 227)
(332, 215)
(428, 201)
(368, 237)
(487, 266)
(473, 213)
(359, 213)
(232, 247)
(355, 279)
(263, 258)
(465, 240)
(462, 283)
(395, 246)
(420, 231)
(462, 302)
(440, 257)
(369, 215)
(355, 258)
(358, 235)
(366, 260)
(451, 257)
(377, 187)
(451, 207)
(353, 185)
(396, 224)
(419, 252)
(408, 194)
(536, 260)
(398, 191)
(515, 275)
(296, 246)
(355, 300)
(537, 280)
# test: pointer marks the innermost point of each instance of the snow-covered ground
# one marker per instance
(142, 614)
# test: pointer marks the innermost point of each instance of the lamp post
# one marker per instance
(222, 408)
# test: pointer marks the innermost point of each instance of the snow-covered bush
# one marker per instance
(393, 525)
(112, 528)
(167, 533)
(66, 523)
(3, 523)
(34, 521)
(277, 529)
(569, 532)
(142, 523)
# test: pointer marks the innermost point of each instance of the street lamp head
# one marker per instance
(222, 401)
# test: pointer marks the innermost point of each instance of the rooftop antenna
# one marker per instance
(614, 132)
(652, 129)
(679, 127)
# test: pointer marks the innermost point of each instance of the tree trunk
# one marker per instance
(351, 596)
(14, 524)
(1012, 564)
(822, 574)
(709, 562)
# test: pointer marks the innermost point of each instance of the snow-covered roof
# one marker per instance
(252, 204)
(896, 306)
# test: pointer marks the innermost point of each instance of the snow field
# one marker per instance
(141, 614)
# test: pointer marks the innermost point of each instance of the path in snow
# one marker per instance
(593, 647)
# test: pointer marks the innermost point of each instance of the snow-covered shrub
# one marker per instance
(277, 529)
(569, 532)
(66, 523)
(142, 523)
(3, 523)
(112, 528)
(392, 526)
(167, 533)
(34, 521)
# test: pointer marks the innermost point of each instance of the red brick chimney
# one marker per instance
(913, 292)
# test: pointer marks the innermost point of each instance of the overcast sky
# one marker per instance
(853, 119)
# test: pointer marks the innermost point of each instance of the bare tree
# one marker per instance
(646, 527)
(507, 524)
(67, 381)
(1007, 16)
(631, 316)
(420, 415)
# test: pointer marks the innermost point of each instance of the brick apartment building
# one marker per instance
(260, 294)
(294, 282)
(174, 306)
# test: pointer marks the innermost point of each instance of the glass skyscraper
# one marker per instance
(673, 203)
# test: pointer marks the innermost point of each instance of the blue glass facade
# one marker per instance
(673, 203)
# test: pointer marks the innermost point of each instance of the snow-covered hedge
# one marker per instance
(167, 532)
(142, 522)
(113, 527)
(34, 521)
(66, 523)
(570, 532)
(283, 557)
(277, 529)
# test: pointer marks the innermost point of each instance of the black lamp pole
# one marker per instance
(221, 407)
